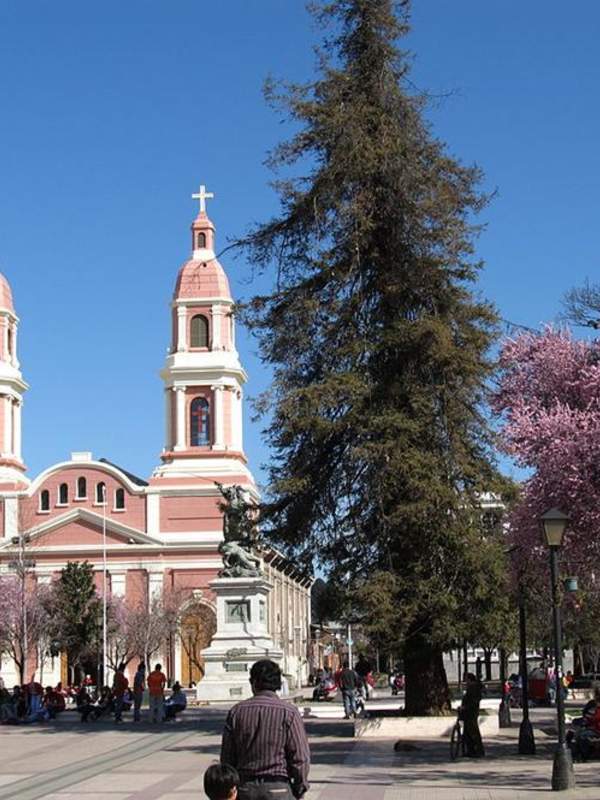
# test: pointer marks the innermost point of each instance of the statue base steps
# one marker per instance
(242, 638)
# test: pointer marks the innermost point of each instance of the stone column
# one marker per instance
(180, 443)
(15, 360)
(17, 429)
(218, 443)
(153, 514)
(181, 328)
(155, 583)
(168, 421)
(117, 583)
(8, 425)
(216, 338)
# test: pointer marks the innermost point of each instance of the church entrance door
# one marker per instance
(198, 626)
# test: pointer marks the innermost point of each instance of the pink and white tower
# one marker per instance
(12, 388)
(203, 375)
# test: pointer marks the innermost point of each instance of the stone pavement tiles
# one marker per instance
(103, 762)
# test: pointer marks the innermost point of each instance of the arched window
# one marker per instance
(63, 494)
(201, 240)
(81, 488)
(199, 331)
(120, 498)
(45, 500)
(199, 422)
(101, 493)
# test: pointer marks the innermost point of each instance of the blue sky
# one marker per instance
(113, 113)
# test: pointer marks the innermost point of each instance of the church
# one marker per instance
(159, 533)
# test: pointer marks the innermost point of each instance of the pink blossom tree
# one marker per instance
(548, 400)
(24, 614)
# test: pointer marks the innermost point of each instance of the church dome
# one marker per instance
(6, 300)
(202, 279)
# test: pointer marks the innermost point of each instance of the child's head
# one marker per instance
(221, 782)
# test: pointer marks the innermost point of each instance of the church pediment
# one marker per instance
(81, 527)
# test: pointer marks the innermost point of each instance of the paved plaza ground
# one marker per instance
(66, 760)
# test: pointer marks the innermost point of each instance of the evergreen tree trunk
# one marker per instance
(488, 663)
(427, 692)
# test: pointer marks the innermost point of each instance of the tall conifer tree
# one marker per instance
(377, 342)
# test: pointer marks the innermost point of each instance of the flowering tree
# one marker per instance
(549, 402)
(24, 616)
(549, 398)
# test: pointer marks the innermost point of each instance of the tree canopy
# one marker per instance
(378, 343)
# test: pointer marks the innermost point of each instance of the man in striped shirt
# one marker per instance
(264, 739)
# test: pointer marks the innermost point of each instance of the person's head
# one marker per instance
(176, 686)
(49, 690)
(121, 667)
(221, 782)
(471, 678)
(265, 676)
(346, 665)
(141, 667)
(158, 668)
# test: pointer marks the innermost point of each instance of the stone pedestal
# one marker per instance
(242, 638)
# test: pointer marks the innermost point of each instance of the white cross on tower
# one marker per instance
(203, 196)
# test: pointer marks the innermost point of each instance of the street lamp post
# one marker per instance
(563, 777)
(21, 565)
(104, 593)
(526, 739)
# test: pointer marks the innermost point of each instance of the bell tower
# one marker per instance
(203, 377)
(12, 388)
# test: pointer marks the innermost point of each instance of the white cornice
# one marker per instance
(201, 301)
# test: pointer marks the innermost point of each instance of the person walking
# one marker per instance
(139, 684)
(157, 681)
(470, 713)
(265, 741)
(363, 669)
(349, 682)
(120, 686)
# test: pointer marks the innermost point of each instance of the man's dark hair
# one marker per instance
(219, 780)
(265, 675)
(346, 665)
(142, 665)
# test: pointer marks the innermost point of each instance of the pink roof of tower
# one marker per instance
(202, 275)
(6, 300)
(202, 279)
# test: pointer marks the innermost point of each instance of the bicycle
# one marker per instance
(458, 745)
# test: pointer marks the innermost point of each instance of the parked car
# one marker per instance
(585, 681)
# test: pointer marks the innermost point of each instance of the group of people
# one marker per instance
(122, 697)
(264, 750)
(31, 703)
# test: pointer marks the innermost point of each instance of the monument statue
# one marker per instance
(239, 533)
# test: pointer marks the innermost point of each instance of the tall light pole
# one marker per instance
(554, 524)
(21, 565)
(526, 738)
(104, 594)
